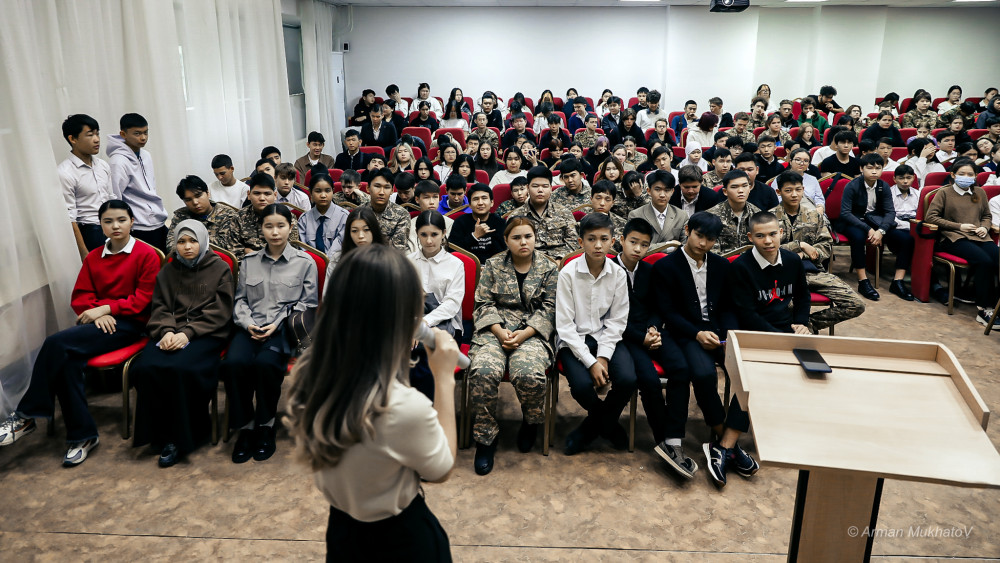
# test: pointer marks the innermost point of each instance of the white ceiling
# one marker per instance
(593, 3)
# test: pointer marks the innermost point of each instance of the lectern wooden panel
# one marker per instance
(869, 419)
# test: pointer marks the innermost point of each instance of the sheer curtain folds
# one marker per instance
(318, 81)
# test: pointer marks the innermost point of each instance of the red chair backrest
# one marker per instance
(457, 133)
(422, 133)
(937, 102)
(982, 178)
(937, 179)
(558, 102)
(632, 101)
(334, 174)
(483, 177)
(501, 193)
(679, 152)
(794, 132)
(471, 279)
(904, 106)
(643, 150)
(671, 116)
(579, 215)
(836, 118)
(780, 152)
(320, 274)
(977, 133)
(652, 258)
(907, 133)
(229, 262)
(834, 198)
(470, 102)
(373, 150)
(432, 153)
(757, 131)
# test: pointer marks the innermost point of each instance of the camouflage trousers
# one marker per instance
(526, 366)
(845, 302)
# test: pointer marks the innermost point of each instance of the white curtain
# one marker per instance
(222, 89)
(237, 85)
(317, 44)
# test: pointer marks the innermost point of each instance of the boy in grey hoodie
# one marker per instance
(132, 180)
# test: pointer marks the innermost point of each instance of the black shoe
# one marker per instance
(265, 443)
(897, 287)
(169, 455)
(581, 437)
(940, 295)
(526, 437)
(483, 463)
(245, 445)
(616, 435)
(867, 291)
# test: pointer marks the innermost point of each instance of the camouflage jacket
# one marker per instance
(755, 122)
(913, 119)
(586, 139)
(498, 300)
(557, 235)
(505, 208)
(734, 230)
(944, 120)
(809, 227)
(245, 232)
(395, 224)
(783, 137)
(746, 136)
(217, 222)
(487, 136)
(711, 179)
(564, 198)
(357, 199)
(637, 159)
(626, 203)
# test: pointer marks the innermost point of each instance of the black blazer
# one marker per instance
(386, 136)
(345, 161)
(676, 298)
(399, 122)
(707, 198)
(640, 315)
(547, 138)
(854, 205)
(875, 132)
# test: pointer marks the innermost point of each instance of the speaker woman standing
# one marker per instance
(368, 436)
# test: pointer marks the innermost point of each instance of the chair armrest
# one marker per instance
(924, 229)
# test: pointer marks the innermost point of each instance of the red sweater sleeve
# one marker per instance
(147, 266)
(85, 292)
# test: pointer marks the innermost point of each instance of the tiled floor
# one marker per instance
(602, 505)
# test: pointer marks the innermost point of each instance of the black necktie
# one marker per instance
(320, 243)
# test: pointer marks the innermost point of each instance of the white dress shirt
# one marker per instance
(821, 154)
(84, 187)
(646, 120)
(412, 244)
(127, 249)
(234, 195)
(379, 476)
(700, 276)
(812, 189)
(870, 190)
(586, 306)
(687, 207)
(296, 197)
(761, 261)
(923, 168)
(906, 206)
(442, 275)
(995, 209)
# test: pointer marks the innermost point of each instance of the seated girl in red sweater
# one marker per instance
(112, 299)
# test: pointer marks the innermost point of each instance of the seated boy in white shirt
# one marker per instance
(905, 198)
(592, 308)
(428, 196)
(226, 188)
(884, 149)
(946, 146)
(284, 179)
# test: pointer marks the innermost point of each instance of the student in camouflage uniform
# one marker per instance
(722, 163)
(758, 113)
(965, 110)
(243, 235)
(631, 195)
(742, 128)
(350, 194)
(806, 232)
(393, 220)
(514, 322)
(518, 195)
(920, 113)
(194, 193)
(588, 137)
(575, 190)
(735, 212)
(556, 234)
(485, 134)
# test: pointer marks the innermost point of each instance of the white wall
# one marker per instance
(863, 51)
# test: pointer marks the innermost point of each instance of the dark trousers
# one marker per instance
(58, 372)
(156, 238)
(984, 260)
(173, 390)
(648, 381)
(253, 368)
(93, 235)
(702, 377)
(899, 242)
(412, 535)
(621, 372)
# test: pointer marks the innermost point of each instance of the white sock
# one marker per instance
(249, 426)
(676, 442)
(269, 423)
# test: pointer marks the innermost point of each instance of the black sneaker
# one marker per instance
(940, 295)
(897, 287)
(742, 462)
(866, 290)
(675, 458)
(983, 318)
(169, 455)
(244, 447)
(716, 458)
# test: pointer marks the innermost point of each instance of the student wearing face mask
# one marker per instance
(961, 212)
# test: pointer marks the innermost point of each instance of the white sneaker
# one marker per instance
(983, 317)
(14, 428)
(77, 452)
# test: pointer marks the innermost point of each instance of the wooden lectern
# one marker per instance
(870, 418)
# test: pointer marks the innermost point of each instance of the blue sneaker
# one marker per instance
(716, 458)
(742, 462)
